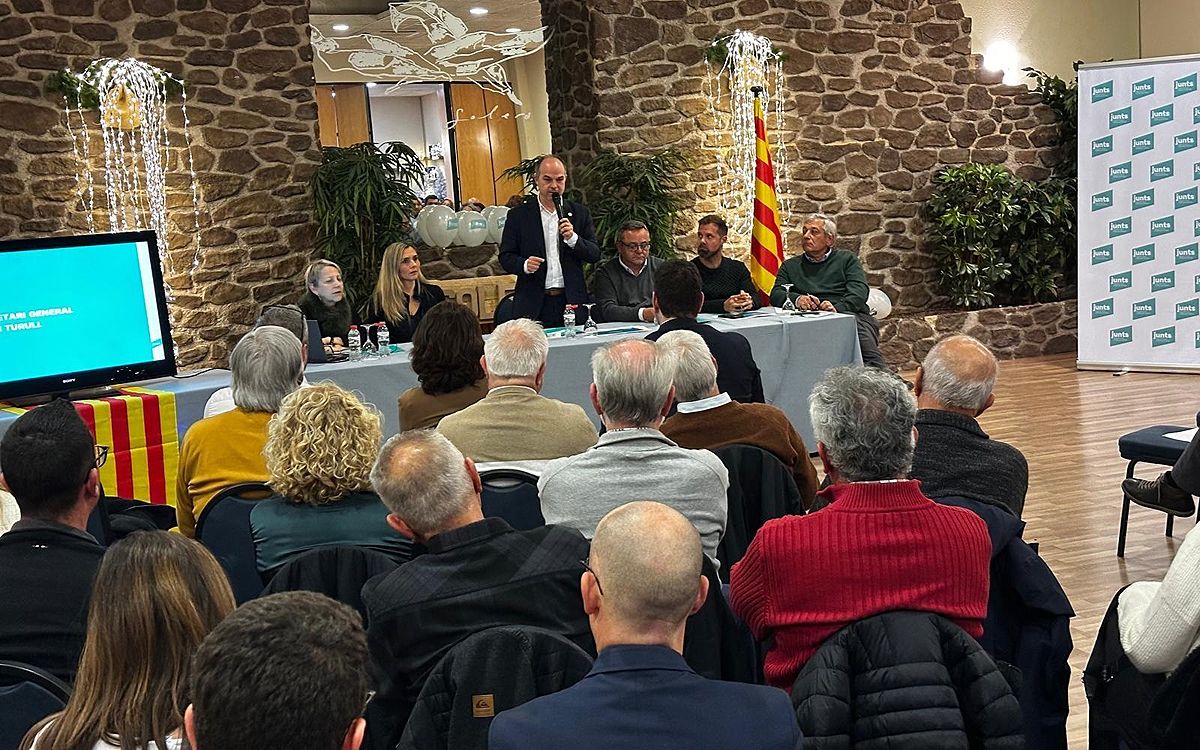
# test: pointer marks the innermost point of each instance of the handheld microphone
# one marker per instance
(558, 205)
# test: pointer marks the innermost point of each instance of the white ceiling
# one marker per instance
(371, 16)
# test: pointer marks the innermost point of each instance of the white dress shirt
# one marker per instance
(550, 235)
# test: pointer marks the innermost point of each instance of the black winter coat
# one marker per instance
(905, 681)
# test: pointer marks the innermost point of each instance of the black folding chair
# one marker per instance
(27, 695)
(224, 528)
(512, 494)
(1147, 445)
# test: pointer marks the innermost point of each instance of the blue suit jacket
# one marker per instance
(645, 698)
(737, 372)
(523, 238)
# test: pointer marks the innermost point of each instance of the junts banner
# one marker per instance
(1139, 214)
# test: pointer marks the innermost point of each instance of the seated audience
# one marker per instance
(226, 449)
(824, 278)
(284, 316)
(477, 573)
(642, 583)
(402, 296)
(708, 418)
(880, 544)
(285, 671)
(325, 301)
(49, 461)
(726, 282)
(155, 598)
(320, 449)
(631, 391)
(954, 456)
(1171, 492)
(1159, 622)
(623, 286)
(677, 302)
(446, 357)
(513, 422)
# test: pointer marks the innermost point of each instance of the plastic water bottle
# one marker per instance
(383, 337)
(354, 341)
(569, 320)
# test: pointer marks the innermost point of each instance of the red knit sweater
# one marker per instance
(877, 547)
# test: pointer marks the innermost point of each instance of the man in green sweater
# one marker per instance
(823, 278)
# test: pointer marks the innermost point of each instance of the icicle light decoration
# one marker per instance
(131, 97)
(736, 64)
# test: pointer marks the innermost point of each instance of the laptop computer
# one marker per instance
(316, 352)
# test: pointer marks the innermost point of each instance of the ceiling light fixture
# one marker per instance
(371, 84)
(341, 27)
(512, 30)
(479, 11)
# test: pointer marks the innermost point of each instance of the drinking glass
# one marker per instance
(589, 325)
(788, 305)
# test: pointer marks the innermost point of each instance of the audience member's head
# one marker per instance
(631, 384)
(285, 671)
(693, 366)
(432, 200)
(290, 317)
(633, 244)
(515, 354)
(514, 200)
(324, 280)
(645, 578)
(156, 596)
(958, 375)
(426, 484)
(447, 347)
(48, 462)
(266, 365)
(677, 290)
(321, 445)
(863, 419)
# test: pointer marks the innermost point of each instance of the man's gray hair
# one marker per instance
(421, 479)
(828, 224)
(632, 381)
(960, 371)
(695, 373)
(290, 317)
(516, 349)
(266, 366)
(632, 225)
(864, 417)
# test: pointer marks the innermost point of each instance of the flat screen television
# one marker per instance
(82, 312)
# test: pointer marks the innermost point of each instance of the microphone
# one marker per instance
(558, 205)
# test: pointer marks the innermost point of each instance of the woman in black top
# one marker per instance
(402, 297)
(325, 301)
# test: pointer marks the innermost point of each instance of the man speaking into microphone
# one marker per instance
(545, 243)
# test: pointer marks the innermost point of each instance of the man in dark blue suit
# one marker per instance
(546, 250)
(677, 301)
(642, 581)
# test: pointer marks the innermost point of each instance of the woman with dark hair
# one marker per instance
(155, 598)
(447, 347)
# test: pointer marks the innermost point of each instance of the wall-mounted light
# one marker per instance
(1002, 56)
(512, 30)
(341, 27)
(371, 84)
(479, 11)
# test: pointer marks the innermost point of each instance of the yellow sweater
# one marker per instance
(220, 451)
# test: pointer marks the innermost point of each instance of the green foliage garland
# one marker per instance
(81, 93)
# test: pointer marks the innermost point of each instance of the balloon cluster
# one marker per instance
(440, 226)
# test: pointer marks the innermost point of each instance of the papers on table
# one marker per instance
(1183, 436)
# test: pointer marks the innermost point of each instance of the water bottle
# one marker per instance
(383, 337)
(569, 320)
(354, 341)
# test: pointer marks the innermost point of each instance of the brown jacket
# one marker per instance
(515, 423)
(419, 410)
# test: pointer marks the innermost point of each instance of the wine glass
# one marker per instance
(589, 325)
(788, 305)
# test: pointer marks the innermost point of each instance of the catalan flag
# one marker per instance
(766, 241)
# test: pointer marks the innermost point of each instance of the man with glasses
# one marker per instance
(49, 461)
(624, 286)
(284, 316)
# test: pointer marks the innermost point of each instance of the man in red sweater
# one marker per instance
(879, 545)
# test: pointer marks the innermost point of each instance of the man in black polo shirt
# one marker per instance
(726, 282)
(478, 573)
(48, 461)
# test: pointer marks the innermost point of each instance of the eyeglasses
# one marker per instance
(101, 455)
(636, 245)
(588, 568)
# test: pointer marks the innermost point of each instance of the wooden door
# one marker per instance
(343, 117)
(506, 144)
(472, 144)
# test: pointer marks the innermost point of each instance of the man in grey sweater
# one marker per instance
(632, 392)
(623, 287)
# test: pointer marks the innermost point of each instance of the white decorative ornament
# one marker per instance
(472, 228)
(879, 303)
(439, 226)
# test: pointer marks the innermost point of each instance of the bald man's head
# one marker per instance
(633, 381)
(550, 177)
(423, 480)
(960, 372)
(647, 558)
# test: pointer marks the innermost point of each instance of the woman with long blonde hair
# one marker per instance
(402, 296)
(321, 445)
(155, 598)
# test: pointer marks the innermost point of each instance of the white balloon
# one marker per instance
(439, 226)
(879, 303)
(472, 228)
(496, 216)
(416, 228)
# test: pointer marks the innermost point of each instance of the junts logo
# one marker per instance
(1102, 254)
(1102, 91)
(1162, 170)
(1162, 336)
(1142, 199)
(1160, 282)
(1187, 309)
(1144, 87)
(1118, 227)
(1122, 171)
(1187, 253)
(1142, 144)
(1104, 145)
(1102, 308)
(1119, 281)
(1102, 200)
(1185, 141)
(1162, 226)
(1143, 309)
(1143, 254)
(1185, 85)
(1119, 117)
(1122, 335)
(1162, 115)
(1185, 198)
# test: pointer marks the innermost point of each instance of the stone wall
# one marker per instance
(1010, 332)
(460, 262)
(248, 72)
(879, 95)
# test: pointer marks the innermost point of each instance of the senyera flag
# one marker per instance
(766, 241)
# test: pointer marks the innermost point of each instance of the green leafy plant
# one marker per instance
(1063, 99)
(620, 187)
(362, 202)
(80, 91)
(998, 238)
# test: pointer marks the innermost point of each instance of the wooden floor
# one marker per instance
(1067, 422)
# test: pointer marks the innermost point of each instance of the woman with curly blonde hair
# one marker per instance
(320, 449)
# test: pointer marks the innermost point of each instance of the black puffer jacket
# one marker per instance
(905, 681)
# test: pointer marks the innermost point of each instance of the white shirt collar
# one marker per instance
(704, 404)
(630, 270)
